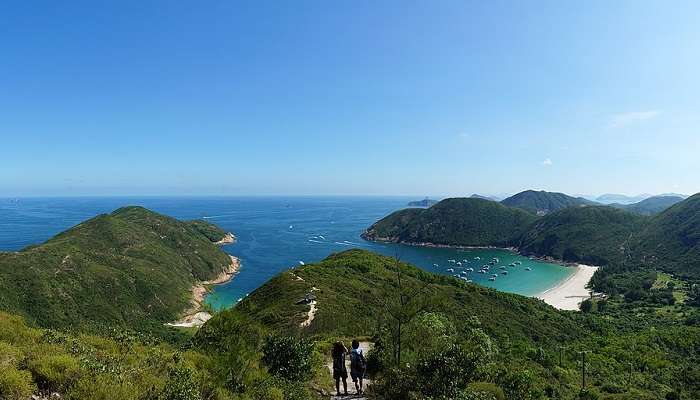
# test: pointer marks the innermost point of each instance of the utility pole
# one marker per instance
(629, 380)
(561, 355)
(583, 368)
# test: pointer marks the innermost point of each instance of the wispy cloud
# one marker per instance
(628, 118)
(547, 162)
(464, 135)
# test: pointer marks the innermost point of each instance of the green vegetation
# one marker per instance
(594, 235)
(650, 206)
(544, 202)
(671, 240)
(440, 338)
(130, 268)
(123, 365)
(464, 222)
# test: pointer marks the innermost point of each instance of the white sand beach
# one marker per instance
(195, 317)
(569, 294)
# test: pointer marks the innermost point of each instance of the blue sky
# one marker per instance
(354, 97)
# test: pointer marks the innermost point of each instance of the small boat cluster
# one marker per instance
(485, 269)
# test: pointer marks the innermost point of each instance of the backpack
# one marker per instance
(357, 360)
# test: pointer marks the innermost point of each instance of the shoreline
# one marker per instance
(195, 316)
(569, 294)
(565, 295)
(227, 239)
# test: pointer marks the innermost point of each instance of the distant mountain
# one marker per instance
(597, 235)
(621, 198)
(541, 202)
(478, 196)
(671, 240)
(422, 203)
(457, 221)
(650, 206)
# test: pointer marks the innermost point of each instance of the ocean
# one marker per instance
(276, 233)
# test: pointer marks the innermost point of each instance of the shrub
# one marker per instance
(181, 385)
(9, 355)
(15, 384)
(483, 391)
(54, 372)
(288, 357)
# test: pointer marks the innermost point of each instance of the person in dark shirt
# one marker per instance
(339, 369)
(357, 366)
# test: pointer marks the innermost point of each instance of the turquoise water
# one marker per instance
(276, 233)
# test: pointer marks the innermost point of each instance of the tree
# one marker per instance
(399, 310)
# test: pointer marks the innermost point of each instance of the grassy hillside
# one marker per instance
(458, 221)
(596, 235)
(458, 340)
(352, 286)
(650, 206)
(541, 202)
(132, 267)
(671, 240)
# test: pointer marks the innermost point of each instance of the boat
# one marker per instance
(465, 261)
(459, 263)
(512, 265)
(435, 265)
(493, 278)
(450, 261)
(450, 270)
(528, 269)
(504, 273)
(502, 267)
(470, 269)
(494, 275)
(477, 258)
(301, 263)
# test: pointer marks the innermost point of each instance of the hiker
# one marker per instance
(339, 370)
(358, 365)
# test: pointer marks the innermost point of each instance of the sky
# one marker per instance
(424, 98)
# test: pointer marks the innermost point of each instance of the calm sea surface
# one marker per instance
(274, 234)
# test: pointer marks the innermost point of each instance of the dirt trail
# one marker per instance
(365, 347)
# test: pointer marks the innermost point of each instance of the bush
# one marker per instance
(181, 385)
(288, 357)
(483, 391)
(9, 355)
(55, 372)
(15, 385)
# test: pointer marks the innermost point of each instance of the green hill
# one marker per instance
(541, 202)
(131, 267)
(439, 337)
(671, 239)
(359, 282)
(457, 221)
(597, 235)
(650, 206)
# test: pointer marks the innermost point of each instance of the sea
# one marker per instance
(278, 233)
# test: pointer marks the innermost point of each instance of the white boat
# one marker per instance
(504, 273)
(450, 270)
(459, 263)
(512, 265)
(470, 269)
(301, 263)
(528, 269)
(477, 258)
(494, 275)
(451, 261)
(502, 267)
(493, 278)
(435, 265)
